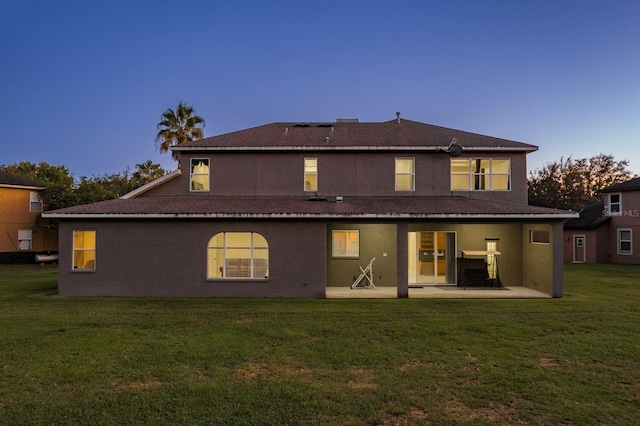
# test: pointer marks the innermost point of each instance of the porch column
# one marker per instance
(403, 260)
(558, 259)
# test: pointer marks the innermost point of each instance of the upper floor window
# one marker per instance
(35, 202)
(84, 249)
(405, 174)
(624, 241)
(24, 239)
(615, 204)
(310, 174)
(238, 255)
(345, 243)
(480, 174)
(199, 174)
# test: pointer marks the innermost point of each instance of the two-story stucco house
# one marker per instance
(20, 206)
(298, 209)
(605, 231)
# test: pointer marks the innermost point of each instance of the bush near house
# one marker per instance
(574, 360)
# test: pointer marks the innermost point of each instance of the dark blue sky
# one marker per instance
(83, 83)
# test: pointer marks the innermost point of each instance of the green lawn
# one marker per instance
(570, 361)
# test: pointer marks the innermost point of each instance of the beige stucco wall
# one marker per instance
(543, 263)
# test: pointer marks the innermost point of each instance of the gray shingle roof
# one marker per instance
(355, 135)
(630, 185)
(193, 206)
(7, 179)
(591, 217)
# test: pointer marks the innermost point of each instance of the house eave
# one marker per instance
(152, 184)
(413, 216)
(33, 188)
(380, 148)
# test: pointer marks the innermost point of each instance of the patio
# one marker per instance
(437, 292)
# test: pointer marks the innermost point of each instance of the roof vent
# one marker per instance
(339, 199)
(398, 116)
(347, 120)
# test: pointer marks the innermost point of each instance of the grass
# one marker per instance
(571, 361)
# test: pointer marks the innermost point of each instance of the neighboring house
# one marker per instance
(586, 237)
(20, 206)
(295, 209)
(608, 231)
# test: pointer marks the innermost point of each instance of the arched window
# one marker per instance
(238, 255)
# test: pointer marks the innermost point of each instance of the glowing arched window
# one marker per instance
(199, 174)
(238, 255)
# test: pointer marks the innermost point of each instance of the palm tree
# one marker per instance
(147, 172)
(177, 127)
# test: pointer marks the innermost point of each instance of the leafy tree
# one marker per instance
(146, 172)
(58, 182)
(177, 127)
(571, 184)
(105, 187)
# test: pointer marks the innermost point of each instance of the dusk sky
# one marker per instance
(83, 83)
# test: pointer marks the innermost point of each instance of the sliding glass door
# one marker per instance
(432, 257)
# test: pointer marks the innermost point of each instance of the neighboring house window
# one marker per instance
(24, 239)
(84, 250)
(615, 204)
(345, 243)
(480, 174)
(238, 255)
(199, 174)
(405, 174)
(624, 241)
(540, 237)
(35, 202)
(310, 174)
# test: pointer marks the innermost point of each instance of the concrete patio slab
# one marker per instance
(437, 292)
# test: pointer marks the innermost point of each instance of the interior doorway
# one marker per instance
(432, 257)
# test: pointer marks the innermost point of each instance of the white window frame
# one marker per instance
(618, 204)
(192, 164)
(252, 247)
(353, 249)
(25, 239)
(311, 170)
(412, 173)
(471, 173)
(620, 241)
(35, 202)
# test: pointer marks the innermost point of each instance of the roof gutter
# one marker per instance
(347, 148)
(458, 216)
(8, 185)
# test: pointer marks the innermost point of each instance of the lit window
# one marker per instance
(238, 255)
(24, 239)
(84, 250)
(310, 174)
(405, 174)
(624, 241)
(615, 205)
(480, 174)
(199, 174)
(35, 202)
(346, 243)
